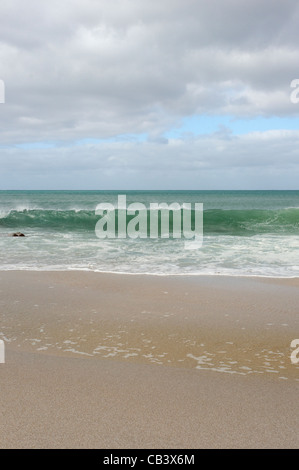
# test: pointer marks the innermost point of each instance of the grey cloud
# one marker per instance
(98, 69)
(184, 164)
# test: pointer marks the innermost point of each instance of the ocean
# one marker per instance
(248, 233)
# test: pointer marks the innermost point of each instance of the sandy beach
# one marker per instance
(124, 361)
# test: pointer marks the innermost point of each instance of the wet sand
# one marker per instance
(119, 361)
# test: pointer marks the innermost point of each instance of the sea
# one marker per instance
(245, 233)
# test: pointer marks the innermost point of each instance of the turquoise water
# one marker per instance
(245, 233)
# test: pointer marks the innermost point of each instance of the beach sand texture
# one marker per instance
(123, 361)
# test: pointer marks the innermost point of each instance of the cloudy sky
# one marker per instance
(153, 94)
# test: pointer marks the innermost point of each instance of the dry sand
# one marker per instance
(119, 361)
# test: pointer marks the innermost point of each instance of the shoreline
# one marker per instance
(166, 275)
(230, 324)
(99, 360)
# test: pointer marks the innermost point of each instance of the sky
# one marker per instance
(149, 94)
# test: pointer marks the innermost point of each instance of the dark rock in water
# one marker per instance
(18, 234)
